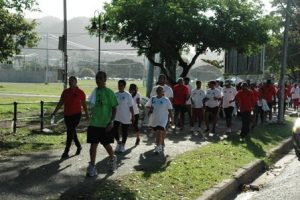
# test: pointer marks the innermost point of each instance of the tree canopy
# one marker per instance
(171, 27)
(274, 48)
(15, 31)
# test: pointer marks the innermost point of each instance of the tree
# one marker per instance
(172, 27)
(274, 48)
(15, 31)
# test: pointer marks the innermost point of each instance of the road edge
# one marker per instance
(245, 175)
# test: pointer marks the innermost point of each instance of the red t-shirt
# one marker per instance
(181, 92)
(72, 99)
(268, 92)
(245, 100)
(255, 95)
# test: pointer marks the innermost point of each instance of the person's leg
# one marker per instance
(124, 136)
(200, 116)
(194, 117)
(188, 108)
(270, 111)
(214, 119)
(181, 115)
(245, 123)
(136, 129)
(116, 131)
(206, 118)
(93, 153)
(177, 110)
(70, 134)
(76, 120)
(109, 150)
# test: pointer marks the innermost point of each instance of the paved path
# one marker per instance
(44, 175)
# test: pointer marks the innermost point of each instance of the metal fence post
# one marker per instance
(42, 116)
(15, 118)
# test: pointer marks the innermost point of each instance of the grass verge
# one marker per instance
(192, 173)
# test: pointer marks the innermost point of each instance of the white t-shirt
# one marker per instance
(135, 105)
(210, 94)
(160, 114)
(123, 113)
(295, 93)
(168, 92)
(189, 102)
(228, 95)
(197, 96)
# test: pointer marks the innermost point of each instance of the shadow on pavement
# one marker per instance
(150, 163)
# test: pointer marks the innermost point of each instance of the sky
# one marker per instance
(75, 8)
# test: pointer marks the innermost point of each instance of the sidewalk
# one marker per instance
(44, 175)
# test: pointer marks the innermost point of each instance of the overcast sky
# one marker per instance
(75, 8)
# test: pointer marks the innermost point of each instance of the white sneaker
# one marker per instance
(113, 164)
(118, 147)
(122, 148)
(157, 149)
(91, 170)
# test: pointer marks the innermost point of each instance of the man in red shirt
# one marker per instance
(269, 94)
(72, 98)
(181, 94)
(245, 102)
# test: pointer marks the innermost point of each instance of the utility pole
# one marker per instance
(150, 76)
(283, 64)
(65, 39)
(47, 59)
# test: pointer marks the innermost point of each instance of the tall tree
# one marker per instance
(274, 48)
(171, 27)
(15, 31)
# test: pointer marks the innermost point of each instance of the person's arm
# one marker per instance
(171, 120)
(111, 123)
(83, 104)
(132, 114)
(58, 106)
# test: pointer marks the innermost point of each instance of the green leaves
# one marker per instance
(170, 27)
(15, 31)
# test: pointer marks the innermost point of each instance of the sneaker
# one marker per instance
(137, 141)
(91, 171)
(113, 164)
(206, 130)
(117, 149)
(122, 148)
(157, 149)
(65, 155)
(78, 150)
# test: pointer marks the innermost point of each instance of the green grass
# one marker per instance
(30, 106)
(26, 141)
(56, 88)
(192, 173)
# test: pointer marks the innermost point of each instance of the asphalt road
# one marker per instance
(282, 182)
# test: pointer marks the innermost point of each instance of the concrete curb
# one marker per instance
(230, 187)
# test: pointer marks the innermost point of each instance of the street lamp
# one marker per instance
(97, 26)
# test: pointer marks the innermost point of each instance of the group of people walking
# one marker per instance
(167, 106)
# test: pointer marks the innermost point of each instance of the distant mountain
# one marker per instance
(83, 47)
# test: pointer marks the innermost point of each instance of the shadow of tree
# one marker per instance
(98, 189)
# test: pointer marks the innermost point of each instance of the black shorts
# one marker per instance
(156, 128)
(213, 110)
(99, 135)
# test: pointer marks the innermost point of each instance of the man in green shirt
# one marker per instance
(103, 102)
